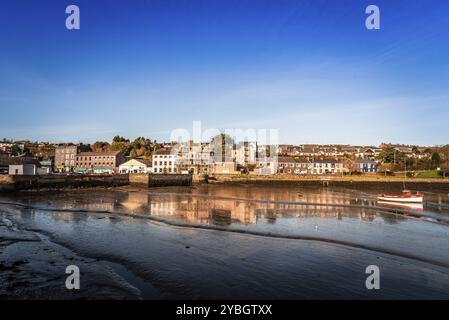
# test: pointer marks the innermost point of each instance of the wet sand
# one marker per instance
(219, 242)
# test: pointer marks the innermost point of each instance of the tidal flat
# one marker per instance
(222, 241)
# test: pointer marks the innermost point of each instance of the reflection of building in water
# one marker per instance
(197, 209)
(162, 206)
(221, 216)
(323, 205)
(136, 201)
(63, 216)
(325, 212)
(91, 205)
(200, 210)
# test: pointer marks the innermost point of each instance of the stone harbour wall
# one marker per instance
(17, 183)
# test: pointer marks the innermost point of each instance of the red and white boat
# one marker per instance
(402, 205)
(405, 197)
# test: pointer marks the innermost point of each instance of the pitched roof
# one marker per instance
(163, 151)
(327, 161)
(286, 159)
(90, 154)
(365, 161)
(133, 162)
(6, 161)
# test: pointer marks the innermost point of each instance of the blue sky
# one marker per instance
(308, 68)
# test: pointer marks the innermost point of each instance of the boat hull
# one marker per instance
(401, 199)
(405, 206)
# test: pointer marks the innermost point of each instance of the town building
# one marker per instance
(369, 153)
(165, 161)
(46, 167)
(19, 165)
(193, 158)
(245, 154)
(292, 166)
(98, 162)
(28, 169)
(328, 166)
(366, 165)
(8, 147)
(136, 166)
(65, 156)
(289, 150)
(347, 151)
(228, 167)
(266, 166)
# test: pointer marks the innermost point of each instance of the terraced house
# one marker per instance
(98, 162)
(165, 161)
(292, 166)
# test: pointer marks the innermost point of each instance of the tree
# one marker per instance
(119, 139)
(436, 159)
(141, 147)
(15, 150)
(444, 159)
(391, 155)
(100, 146)
(122, 146)
(133, 153)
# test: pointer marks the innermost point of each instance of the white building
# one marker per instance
(245, 153)
(23, 169)
(136, 166)
(164, 161)
(291, 166)
(266, 166)
(193, 157)
(327, 166)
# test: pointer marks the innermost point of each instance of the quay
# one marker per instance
(33, 182)
(24, 182)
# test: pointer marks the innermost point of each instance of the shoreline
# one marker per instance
(47, 183)
(387, 183)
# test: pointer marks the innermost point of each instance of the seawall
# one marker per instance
(364, 181)
(160, 180)
(16, 183)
